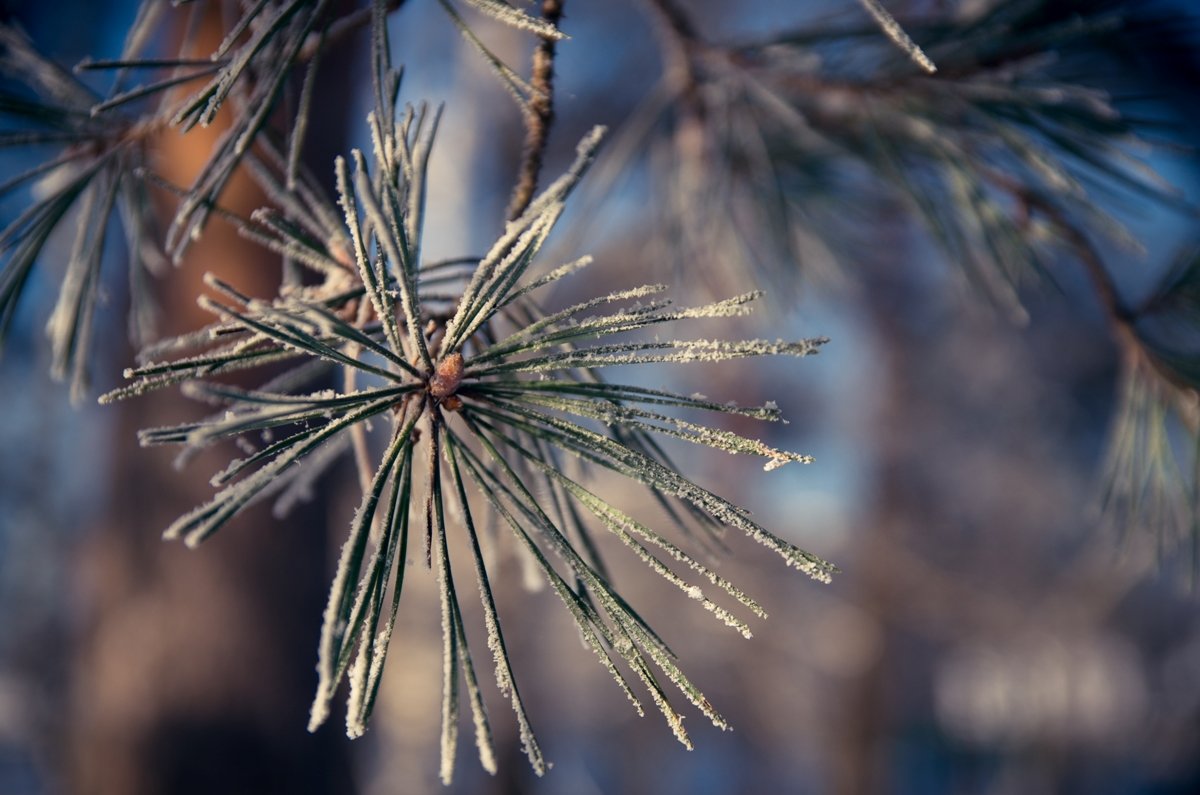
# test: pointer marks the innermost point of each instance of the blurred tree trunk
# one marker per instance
(194, 669)
(860, 737)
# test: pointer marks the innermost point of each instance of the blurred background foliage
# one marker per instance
(1004, 423)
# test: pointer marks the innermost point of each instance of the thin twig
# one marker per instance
(1119, 316)
(679, 40)
(683, 51)
(539, 114)
(338, 29)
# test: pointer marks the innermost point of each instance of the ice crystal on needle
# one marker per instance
(481, 405)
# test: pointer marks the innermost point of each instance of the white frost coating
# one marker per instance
(517, 18)
(621, 524)
(699, 434)
(333, 626)
(483, 743)
(666, 663)
(633, 638)
(449, 736)
(495, 638)
(357, 675)
(483, 732)
(552, 276)
(674, 719)
(737, 306)
(537, 219)
(676, 351)
(896, 33)
(729, 619)
(587, 628)
(655, 475)
(326, 655)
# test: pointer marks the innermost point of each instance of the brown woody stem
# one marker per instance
(539, 115)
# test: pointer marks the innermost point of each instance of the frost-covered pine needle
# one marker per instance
(495, 391)
(892, 28)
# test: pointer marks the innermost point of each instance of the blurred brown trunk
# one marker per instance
(863, 727)
(194, 669)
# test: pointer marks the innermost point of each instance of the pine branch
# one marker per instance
(460, 385)
(97, 151)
